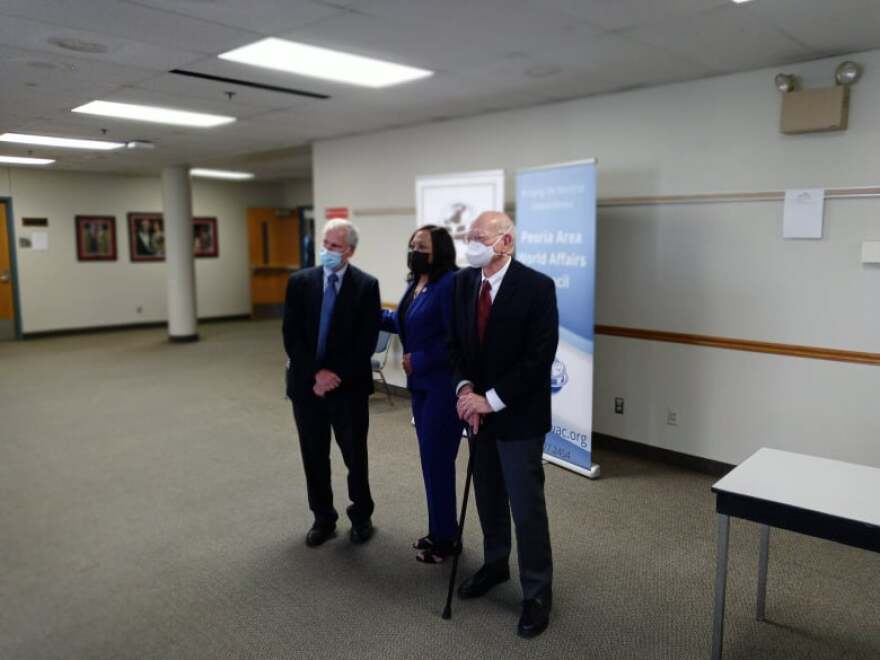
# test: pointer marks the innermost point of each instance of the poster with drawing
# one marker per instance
(455, 200)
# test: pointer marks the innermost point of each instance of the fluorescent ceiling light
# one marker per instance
(20, 160)
(739, 2)
(323, 63)
(67, 143)
(221, 174)
(153, 114)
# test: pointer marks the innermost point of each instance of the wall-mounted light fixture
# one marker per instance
(786, 82)
(815, 110)
(848, 73)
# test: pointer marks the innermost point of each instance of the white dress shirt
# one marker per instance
(339, 274)
(492, 397)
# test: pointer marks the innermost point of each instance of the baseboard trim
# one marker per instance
(273, 311)
(667, 456)
(183, 339)
(44, 334)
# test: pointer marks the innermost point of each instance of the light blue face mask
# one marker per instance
(331, 259)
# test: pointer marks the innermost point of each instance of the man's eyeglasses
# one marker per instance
(482, 238)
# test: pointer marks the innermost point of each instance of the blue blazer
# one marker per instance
(424, 334)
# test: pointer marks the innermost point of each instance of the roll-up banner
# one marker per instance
(556, 234)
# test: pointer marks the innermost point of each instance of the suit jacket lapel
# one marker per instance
(344, 298)
(473, 291)
(313, 313)
(401, 320)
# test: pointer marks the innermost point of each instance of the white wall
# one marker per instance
(718, 269)
(59, 292)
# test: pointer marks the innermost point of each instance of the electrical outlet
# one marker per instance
(671, 417)
(618, 405)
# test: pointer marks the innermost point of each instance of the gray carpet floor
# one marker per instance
(152, 505)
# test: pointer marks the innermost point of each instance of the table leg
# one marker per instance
(762, 571)
(720, 584)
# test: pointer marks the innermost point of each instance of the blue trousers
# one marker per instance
(439, 431)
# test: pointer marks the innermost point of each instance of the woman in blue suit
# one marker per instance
(421, 320)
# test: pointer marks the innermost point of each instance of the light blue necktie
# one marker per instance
(326, 314)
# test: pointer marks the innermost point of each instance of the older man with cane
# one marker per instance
(504, 333)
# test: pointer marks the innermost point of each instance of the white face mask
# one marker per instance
(479, 254)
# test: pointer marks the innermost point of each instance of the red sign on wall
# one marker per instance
(334, 212)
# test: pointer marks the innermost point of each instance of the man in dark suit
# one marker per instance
(331, 323)
(504, 332)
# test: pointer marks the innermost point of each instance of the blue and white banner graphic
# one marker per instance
(556, 234)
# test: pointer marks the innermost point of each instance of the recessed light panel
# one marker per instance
(316, 62)
(153, 114)
(21, 160)
(66, 143)
(221, 174)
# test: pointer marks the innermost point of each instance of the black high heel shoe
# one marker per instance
(439, 553)
(424, 543)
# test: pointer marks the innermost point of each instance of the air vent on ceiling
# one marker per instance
(248, 83)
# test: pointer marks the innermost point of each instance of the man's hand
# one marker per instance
(474, 421)
(325, 381)
(472, 404)
(467, 388)
(406, 363)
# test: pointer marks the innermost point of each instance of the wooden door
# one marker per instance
(274, 239)
(7, 300)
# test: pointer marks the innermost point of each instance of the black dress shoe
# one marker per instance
(483, 580)
(319, 533)
(535, 616)
(361, 532)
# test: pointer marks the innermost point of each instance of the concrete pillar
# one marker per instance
(179, 260)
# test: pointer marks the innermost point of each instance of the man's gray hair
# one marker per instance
(351, 230)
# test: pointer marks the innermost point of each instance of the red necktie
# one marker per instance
(484, 307)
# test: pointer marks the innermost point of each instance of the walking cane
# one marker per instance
(447, 611)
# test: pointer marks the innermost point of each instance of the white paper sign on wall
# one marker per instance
(803, 213)
(40, 240)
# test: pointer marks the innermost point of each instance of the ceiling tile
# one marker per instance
(130, 21)
(623, 14)
(841, 26)
(35, 37)
(729, 39)
(269, 17)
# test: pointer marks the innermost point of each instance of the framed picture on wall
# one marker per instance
(205, 241)
(95, 237)
(454, 201)
(146, 237)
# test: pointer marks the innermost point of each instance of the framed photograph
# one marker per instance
(95, 237)
(205, 242)
(146, 236)
(455, 200)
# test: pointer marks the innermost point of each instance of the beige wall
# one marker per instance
(298, 192)
(711, 269)
(59, 292)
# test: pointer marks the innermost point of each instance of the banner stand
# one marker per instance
(592, 472)
(556, 235)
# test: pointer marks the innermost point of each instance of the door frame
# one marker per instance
(13, 262)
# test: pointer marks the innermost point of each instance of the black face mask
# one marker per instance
(418, 262)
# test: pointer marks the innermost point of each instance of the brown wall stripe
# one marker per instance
(865, 192)
(747, 345)
(833, 354)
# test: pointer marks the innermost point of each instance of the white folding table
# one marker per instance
(816, 496)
